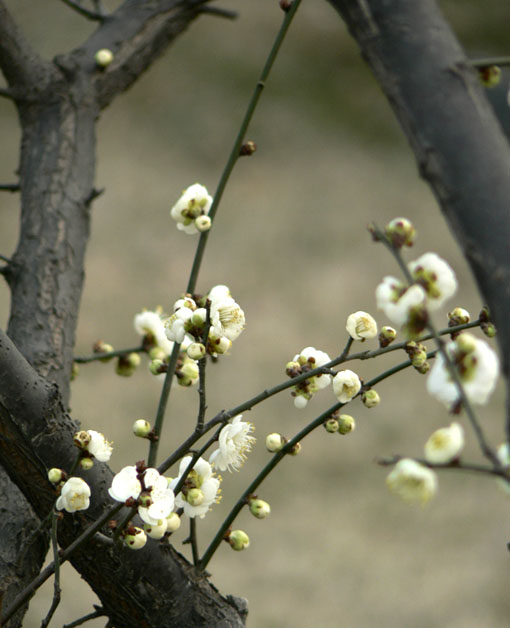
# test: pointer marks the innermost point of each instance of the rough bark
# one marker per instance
(58, 105)
(459, 146)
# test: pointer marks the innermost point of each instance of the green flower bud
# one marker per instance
(203, 223)
(136, 538)
(331, 425)
(489, 329)
(238, 540)
(156, 531)
(386, 336)
(259, 508)
(196, 351)
(490, 75)
(424, 368)
(195, 497)
(126, 364)
(274, 442)
(296, 449)
(458, 316)
(157, 353)
(103, 57)
(419, 358)
(173, 522)
(346, 424)
(141, 428)
(190, 369)
(370, 398)
(86, 464)
(156, 367)
(102, 347)
(55, 476)
(466, 343)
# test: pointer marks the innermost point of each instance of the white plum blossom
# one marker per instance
(477, 366)
(200, 477)
(346, 385)
(445, 444)
(234, 442)
(227, 318)
(412, 482)
(175, 326)
(361, 325)
(436, 277)
(310, 358)
(161, 496)
(194, 202)
(396, 300)
(125, 485)
(99, 447)
(75, 495)
(218, 292)
(150, 323)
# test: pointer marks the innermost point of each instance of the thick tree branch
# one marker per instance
(155, 587)
(459, 146)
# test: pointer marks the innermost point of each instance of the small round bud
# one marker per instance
(141, 428)
(86, 464)
(466, 343)
(490, 75)
(386, 336)
(274, 442)
(136, 538)
(196, 351)
(75, 371)
(156, 367)
(219, 345)
(238, 540)
(157, 353)
(458, 316)
(346, 424)
(248, 148)
(370, 398)
(190, 369)
(419, 358)
(55, 476)
(400, 232)
(296, 449)
(173, 522)
(126, 364)
(259, 508)
(156, 531)
(293, 369)
(82, 439)
(102, 347)
(203, 223)
(103, 57)
(195, 497)
(145, 499)
(199, 317)
(489, 329)
(331, 425)
(300, 402)
(424, 368)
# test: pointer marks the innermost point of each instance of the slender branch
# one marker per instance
(108, 355)
(56, 559)
(202, 364)
(163, 400)
(99, 612)
(9, 187)
(453, 466)
(193, 540)
(97, 16)
(230, 15)
(234, 155)
(484, 63)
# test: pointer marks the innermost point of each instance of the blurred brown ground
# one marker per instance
(290, 241)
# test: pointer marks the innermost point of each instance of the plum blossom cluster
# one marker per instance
(200, 490)
(310, 358)
(191, 210)
(187, 323)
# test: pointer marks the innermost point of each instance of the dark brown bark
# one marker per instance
(58, 105)
(458, 143)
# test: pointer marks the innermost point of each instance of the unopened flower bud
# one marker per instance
(199, 317)
(173, 522)
(489, 75)
(136, 538)
(195, 497)
(466, 343)
(489, 329)
(126, 364)
(295, 450)
(331, 425)
(386, 336)
(300, 401)
(102, 347)
(424, 368)
(259, 508)
(190, 369)
(346, 424)
(103, 57)
(419, 358)
(203, 223)
(238, 540)
(274, 442)
(458, 316)
(157, 353)
(156, 531)
(141, 428)
(55, 476)
(400, 232)
(156, 367)
(145, 499)
(196, 351)
(82, 439)
(370, 398)
(248, 148)
(86, 464)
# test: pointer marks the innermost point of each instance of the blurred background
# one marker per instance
(290, 240)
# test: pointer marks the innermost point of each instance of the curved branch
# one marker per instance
(458, 143)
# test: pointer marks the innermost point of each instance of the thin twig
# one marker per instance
(452, 466)
(234, 155)
(230, 15)
(96, 16)
(110, 354)
(10, 187)
(193, 540)
(202, 365)
(56, 585)
(485, 63)
(99, 612)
